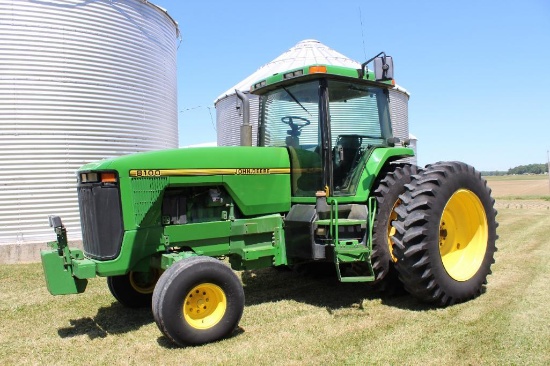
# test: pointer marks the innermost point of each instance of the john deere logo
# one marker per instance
(244, 171)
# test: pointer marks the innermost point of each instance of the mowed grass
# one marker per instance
(290, 319)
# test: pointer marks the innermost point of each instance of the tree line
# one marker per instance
(521, 169)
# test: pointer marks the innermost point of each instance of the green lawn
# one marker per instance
(295, 320)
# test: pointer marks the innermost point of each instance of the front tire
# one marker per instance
(198, 300)
(445, 234)
(134, 289)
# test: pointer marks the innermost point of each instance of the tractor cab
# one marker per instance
(335, 123)
(330, 119)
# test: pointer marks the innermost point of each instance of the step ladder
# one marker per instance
(348, 251)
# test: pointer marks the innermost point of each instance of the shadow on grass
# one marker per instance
(113, 319)
(165, 342)
(320, 288)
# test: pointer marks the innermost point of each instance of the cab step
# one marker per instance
(352, 251)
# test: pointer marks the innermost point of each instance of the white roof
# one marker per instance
(306, 52)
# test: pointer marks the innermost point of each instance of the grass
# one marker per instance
(298, 320)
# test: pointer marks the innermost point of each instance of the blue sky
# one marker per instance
(476, 70)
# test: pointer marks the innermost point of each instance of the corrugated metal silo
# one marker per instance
(306, 52)
(229, 118)
(399, 112)
(79, 81)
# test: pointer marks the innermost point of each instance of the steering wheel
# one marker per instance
(302, 122)
(296, 124)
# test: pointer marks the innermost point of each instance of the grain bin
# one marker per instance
(306, 52)
(79, 81)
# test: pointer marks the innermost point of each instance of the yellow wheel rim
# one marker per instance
(463, 235)
(391, 229)
(204, 306)
(144, 283)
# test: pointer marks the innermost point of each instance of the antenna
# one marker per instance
(362, 34)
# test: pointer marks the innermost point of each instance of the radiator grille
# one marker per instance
(147, 199)
(101, 220)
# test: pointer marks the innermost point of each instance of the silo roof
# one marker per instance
(306, 52)
(165, 12)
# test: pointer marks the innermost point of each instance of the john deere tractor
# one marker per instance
(328, 182)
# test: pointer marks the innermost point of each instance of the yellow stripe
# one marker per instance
(143, 173)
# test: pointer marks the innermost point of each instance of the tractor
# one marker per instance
(327, 183)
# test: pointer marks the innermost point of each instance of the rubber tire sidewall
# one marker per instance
(383, 264)
(173, 287)
(469, 288)
(123, 291)
(419, 260)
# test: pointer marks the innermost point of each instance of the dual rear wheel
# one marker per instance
(387, 189)
(445, 233)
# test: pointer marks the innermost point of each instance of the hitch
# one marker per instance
(61, 243)
(65, 269)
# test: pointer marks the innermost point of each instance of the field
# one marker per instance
(520, 186)
(292, 319)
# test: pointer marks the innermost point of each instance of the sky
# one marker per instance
(475, 70)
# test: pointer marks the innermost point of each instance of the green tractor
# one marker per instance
(328, 182)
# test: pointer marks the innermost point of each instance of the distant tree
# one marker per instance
(493, 172)
(529, 169)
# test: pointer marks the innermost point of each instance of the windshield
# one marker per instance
(359, 120)
(290, 118)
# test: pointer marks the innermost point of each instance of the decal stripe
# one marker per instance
(143, 173)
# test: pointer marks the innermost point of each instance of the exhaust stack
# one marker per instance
(246, 127)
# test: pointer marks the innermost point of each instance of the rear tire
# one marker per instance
(198, 300)
(445, 234)
(135, 289)
(387, 189)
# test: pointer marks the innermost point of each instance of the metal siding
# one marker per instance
(399, 112)
(79, 81)
(229, 120)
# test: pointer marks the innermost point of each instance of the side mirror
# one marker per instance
(383, 68)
